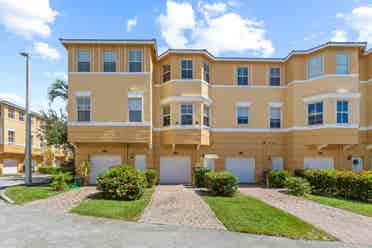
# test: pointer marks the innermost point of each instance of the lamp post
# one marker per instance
(28, 163)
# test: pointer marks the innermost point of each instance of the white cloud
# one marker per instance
(360, 20)
(13, 98)
(55, 75)
(27, 18)
(46, 52)
(179, 18)
(131, 23)
(217, 30)
(339, 35)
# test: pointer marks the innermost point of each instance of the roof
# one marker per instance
(2, 101)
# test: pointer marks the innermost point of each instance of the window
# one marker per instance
(186, 114)
(10, 112)
(186, 69)
(315, 67)
(206, 72)
(275, 76)
(135, 61)
(242, 75)
(342, 112)
(83, 108)
(275, 114)
(342, 63)
(11, 136)
(315, 113)
(166, 115)
(83, 61)
(135, 109)
(166, 73)
(242, 115)
(21, 116)
(206, 116)
(109, 61)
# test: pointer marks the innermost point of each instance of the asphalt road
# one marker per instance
(8, 181)
(25, 227)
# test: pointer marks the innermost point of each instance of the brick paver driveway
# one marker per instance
(179, 205)
(345, 226)
(65, 201)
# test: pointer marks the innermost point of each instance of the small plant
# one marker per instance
(222, 183)
(200, 179)
(48, 169)
(278, 179)
(84, 172)
(60, 180)
(151, 177)
(122, 182)
(298, 186)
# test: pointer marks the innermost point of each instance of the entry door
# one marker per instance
(10, 166)
(101, 163)
(357, 164)
(318, 163)
(175, 170)
(209, 163)
(140, 162)
(277, 163)
(243, 168)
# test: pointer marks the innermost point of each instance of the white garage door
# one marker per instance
(243, 168)
(318, 163)
(10, 166)
(140, 162)
(175, 170)
(100, 163)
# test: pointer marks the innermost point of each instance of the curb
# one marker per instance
(5, 197)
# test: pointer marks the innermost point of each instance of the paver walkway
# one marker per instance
(179, 205)
(344, 225)
(63, 202)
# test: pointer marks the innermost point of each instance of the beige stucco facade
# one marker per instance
(109, 130)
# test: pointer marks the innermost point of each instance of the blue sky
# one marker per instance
(226, 28)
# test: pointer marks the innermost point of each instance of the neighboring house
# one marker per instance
(12, 138)
(186, 108)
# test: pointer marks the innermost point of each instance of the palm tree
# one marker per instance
(58, 89)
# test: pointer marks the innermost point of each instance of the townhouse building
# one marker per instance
(187, 108)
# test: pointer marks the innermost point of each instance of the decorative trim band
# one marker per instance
(321, 97)
(108, 73)
(323, 76)
(181, 127)
(108, 123)
(82, 93)
(186, 99)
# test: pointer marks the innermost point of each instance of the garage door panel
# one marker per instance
(175, 170)
(242, 168)
(318, 163)
(101, 163)
(10, 166)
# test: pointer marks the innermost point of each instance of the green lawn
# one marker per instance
(23, 194)
(246, 214)
(124, 210)
(357, 207)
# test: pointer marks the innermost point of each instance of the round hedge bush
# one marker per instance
(298, 186)
(151, 177)
(122, 182)
(222, 183)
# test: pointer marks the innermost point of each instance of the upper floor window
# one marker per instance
(186, 114)
(315, 66)
(135, 61)
(166, 73)
(206, 115)
(242, 75)
(135, 109)
(342, 112)
(11, 136)
(206, 72)
(186, 69)
(342, 63)
(166, 115)
(83, 61)
(21, 116)
(10, 112)
(275, 76)
(242, 115)
(109, 61)
(83, 106)
(275, 116)
(315, 113)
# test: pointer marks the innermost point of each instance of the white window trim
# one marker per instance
(136, 95)
(348, 63)
(321, 97)
(307, 67)
(280, 76)
(192, 69)
(103, 59)
(11, 130)
(76, 105)
(163, 73)
(281, 115)
(82, 93)
(349, 112)
(142, 60)
(307, 114)
(248, 76)
(163, 115)
(209, 117)
(180, 114)
(244, 105)
(78, 61)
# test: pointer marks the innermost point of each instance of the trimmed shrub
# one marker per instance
(150, 176)
(48, 170)
(222, 183)
(122, 182)
(299, 172)
(278, 179)
(68, 166)
(322, 181)
(60, 180)
(199, 176)
(298, 186)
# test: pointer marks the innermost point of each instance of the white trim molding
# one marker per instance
(186, 99)
(355, 75)
(109, 73)
(181, 127)
(276, 104)
(82, 93)
(107, 123)
(293, 128)
(321, 97)
(135, 94)
(175, 81)
(369, 80)
(243, 104)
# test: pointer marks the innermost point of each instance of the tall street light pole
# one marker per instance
(28, 163)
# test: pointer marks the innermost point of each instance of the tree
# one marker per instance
(58, 89)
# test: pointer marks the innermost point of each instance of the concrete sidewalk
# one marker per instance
(33, 228)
